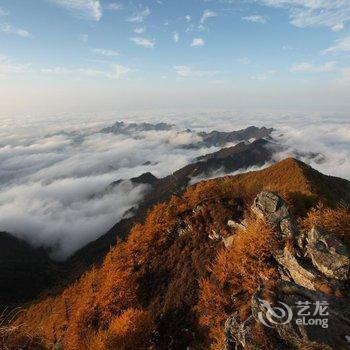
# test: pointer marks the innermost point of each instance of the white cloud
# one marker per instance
(8, 29)
(188, 18)
(86, 9)
(140, 16)
(255, 19)
(310, 68)
(116, 71)
(104, 52)
(341, 45)
(314, 13)
(338, 27)
(265, 75)
(244, 60)
(3, 12)
(9, 68)
(139, 30)
(53, 182)
(206, 15)
(114, 6)
(188, 72)
(176, 37)
(144, 42)
(198, 42)
(185, 72)
(83, 37)
(65, 214)
(119, 71)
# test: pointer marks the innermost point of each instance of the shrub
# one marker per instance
(15, 337)
(336, 221)
(237, 271)
(130, 331)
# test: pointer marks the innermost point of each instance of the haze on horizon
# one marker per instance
(118, 55)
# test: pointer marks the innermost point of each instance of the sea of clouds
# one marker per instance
(54, 171)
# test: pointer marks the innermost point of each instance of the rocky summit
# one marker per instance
(323, 262)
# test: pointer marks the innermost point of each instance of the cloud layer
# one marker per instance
(54, 171)
(86, 9)
(53, 183)
(319, 13)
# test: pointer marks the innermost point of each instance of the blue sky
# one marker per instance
(59, 55)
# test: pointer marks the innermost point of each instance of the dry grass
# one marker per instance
(13, 336)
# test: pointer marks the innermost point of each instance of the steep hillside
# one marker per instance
(227, 160)
(173, 282)
(24, 271)
(49, 273)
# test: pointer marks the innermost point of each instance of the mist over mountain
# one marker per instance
(174, 175)
(142, 221)
(53, 187)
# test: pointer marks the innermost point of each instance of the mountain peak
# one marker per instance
(159, 279)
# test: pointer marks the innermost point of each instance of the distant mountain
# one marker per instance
(227, 160)
(145, 178)
(221, 138)
(209, 139)
(130, 128)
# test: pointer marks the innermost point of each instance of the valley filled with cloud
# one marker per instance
(55, 176)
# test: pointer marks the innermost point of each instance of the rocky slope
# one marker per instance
(193, 275)
(313, 274)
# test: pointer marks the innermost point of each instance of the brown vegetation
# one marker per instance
(334, 220)
(236, 273)
(14, 336)
(168, 283)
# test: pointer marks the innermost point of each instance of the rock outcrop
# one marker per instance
(297, 315)
(328, 254)
(273, 208)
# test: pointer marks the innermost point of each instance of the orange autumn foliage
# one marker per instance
(130, 331)
(236, 271)
(158, 279)
(333, 220)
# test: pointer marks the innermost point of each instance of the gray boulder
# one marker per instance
(328, 254)
(291, 269)
(238, 335)
(271, 207)
(323, 324)
(296, 315)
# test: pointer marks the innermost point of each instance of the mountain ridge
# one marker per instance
(152, 277)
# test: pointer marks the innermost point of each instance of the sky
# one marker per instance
(94, 56)
(71, 67)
